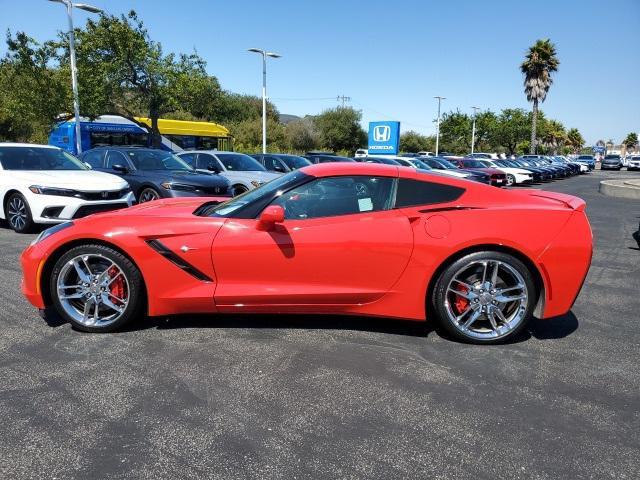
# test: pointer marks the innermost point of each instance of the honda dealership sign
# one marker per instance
(384, 138)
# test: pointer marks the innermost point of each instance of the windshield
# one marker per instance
(473, 164)
(38, 158)
(269, 189)
(294, 162)
(612, 157)
(240, 162)
(585, 157)
(446, 163)
(156, 160)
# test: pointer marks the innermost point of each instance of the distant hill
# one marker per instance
(286, 118)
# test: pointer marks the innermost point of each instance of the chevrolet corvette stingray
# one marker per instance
(335, 238)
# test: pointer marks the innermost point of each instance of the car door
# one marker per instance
(114, 158)
(340, 244)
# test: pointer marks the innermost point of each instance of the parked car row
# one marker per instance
(44, 184)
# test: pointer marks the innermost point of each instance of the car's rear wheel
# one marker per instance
(485, 297)
(96, 288)
(18, 213)
(148, 195)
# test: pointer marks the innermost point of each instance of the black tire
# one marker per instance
(239, 190)
(148, 194)
(511, 180)
(135, 286)
(18, 214)
(440, 292)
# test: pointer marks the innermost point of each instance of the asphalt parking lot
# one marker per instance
(309, 397)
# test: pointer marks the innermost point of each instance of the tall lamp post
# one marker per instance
(264, 54)
(438, 127)
(473, 129)
(72, 53)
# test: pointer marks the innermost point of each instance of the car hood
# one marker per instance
(489, 171)
(453, 173)
(84, 180)
(515, 170)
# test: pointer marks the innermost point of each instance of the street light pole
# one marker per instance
(438, 130)
(264, 54)
(473, 130)
(72, 53)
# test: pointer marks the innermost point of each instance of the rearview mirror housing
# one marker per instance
(270, 216)
(120, 168)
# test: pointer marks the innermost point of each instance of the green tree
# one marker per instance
(340, 129)
(455, 132)
(631, 141)
(553, 135)
(575, 140)
(511, 128)
(540, 62)
(32, 91)
(122, 67)
(414, 142)
(248, 135)
(302, 135)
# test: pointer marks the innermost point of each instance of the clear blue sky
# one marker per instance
(392, 57)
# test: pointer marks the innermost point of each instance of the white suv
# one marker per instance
(244, 173)
(46, 185)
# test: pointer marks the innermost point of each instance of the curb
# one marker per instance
(621, 188)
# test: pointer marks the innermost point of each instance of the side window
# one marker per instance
(416, 192)
(115, 158)
(189, 158)
(206, 160)
(94, 158)
(332, 196)
(272, 164)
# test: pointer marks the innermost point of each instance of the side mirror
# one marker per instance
(212, 167)
(120, 168)
(270, 216)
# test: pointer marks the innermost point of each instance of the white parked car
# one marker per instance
(634, 162)
(244, 173)
(514, 175)
(426, 154)
(361, 152)
(46, 185)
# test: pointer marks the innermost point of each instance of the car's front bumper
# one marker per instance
(32, 262)
(52, 209)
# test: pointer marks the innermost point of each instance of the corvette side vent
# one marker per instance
(178, 261)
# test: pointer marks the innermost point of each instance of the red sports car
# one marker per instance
(334, 238)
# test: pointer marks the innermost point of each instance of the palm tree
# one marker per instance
(575, 140)
(540, 62)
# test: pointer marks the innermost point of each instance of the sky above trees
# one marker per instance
(392, 58)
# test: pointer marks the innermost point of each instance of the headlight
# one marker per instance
(50, 231)
(60, 192)
(178, 186)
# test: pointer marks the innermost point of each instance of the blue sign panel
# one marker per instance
(599, 149)
(384, 138)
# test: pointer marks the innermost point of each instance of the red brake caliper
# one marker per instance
(460, 302)
(117, 287)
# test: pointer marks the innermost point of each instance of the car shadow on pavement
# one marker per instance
(636, 237)
(548, 329)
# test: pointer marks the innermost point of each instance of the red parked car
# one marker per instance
(498, 177)
(333, 238)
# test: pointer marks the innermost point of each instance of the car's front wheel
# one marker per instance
(96, 288)
(511, 180)
(18, 213)
(239, 190)
(148, 195)
(485, 297)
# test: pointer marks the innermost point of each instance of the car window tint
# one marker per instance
(94, 158)
(332, 196)
(115, 158)
(416, 192)
(189, 158)
(205, 160)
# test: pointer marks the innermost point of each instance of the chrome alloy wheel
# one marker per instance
(17, 213)
(486, 299)
(93, 290)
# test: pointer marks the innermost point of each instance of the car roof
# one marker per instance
(24, 145)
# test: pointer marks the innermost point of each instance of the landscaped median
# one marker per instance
(629, 188)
